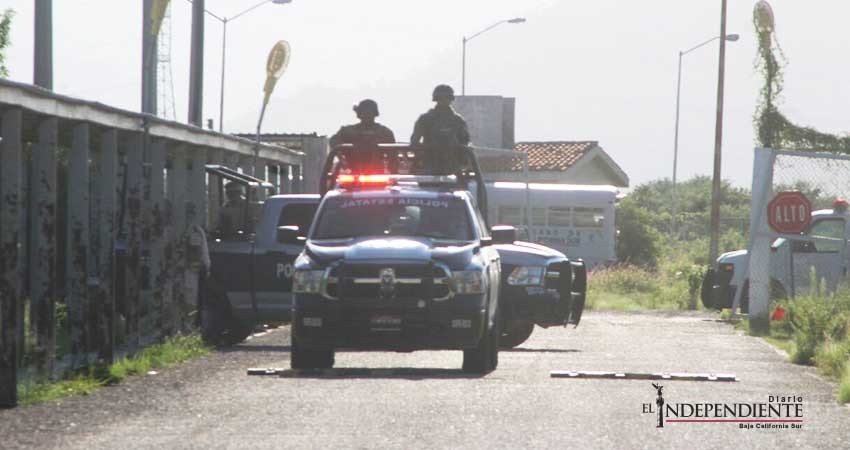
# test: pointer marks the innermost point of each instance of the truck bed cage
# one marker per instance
(405, 164)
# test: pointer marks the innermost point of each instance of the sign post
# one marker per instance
(789, 212)
(275, 66)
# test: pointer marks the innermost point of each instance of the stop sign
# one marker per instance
(789, 212)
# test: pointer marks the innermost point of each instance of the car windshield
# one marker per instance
(438, 218)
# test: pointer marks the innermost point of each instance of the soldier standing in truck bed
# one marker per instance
(442, 131)
(367, 132)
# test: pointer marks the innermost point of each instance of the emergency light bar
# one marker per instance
(364, 180)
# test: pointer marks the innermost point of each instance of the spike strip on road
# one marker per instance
(644, 376)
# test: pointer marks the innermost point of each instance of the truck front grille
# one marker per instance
(363, 281)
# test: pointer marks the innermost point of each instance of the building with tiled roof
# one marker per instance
(567, 162)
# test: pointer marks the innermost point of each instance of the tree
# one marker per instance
(637, 242)
(5, 26)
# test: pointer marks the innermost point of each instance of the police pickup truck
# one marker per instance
(257, 287)
(791, 262)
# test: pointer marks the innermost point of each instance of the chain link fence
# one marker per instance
(781, 265)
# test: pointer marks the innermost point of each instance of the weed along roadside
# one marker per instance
(626, 287)
(814, 331)
(175, 350)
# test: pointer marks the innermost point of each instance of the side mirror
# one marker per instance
(289, 235)
(504, 234)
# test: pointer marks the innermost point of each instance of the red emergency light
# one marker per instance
(354, 180)
(840, 204)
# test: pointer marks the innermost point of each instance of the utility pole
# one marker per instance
(43, 67)
(196, 69)
(149, 60)
(718, 144)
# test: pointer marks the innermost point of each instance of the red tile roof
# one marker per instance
(551, 156)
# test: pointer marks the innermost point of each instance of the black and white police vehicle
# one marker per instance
(399, 259)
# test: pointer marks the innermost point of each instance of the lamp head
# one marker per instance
(732, 37)
(517, 20)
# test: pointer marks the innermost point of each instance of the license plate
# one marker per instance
(385, 323)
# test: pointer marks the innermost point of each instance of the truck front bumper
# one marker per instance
(394, 325)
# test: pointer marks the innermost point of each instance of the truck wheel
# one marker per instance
(515, 332)
(485, 357)
(777, 292)
(218, 327)
(494, 347)
(705, 290)
(309, 359)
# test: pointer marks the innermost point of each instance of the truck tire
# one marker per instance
(515, 332)
(777, 292)
(705, 290)
(484, 358)
(218, 326)
(300, 358)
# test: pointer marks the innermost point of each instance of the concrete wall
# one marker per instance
(490, 119)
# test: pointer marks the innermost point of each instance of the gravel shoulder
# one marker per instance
(422, 400)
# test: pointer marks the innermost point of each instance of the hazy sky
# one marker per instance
(600, 70)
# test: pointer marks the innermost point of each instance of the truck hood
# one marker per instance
(732, 257)
(408, 249)
(526, 254)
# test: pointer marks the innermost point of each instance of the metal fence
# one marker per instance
(100, 210)
(782, 265)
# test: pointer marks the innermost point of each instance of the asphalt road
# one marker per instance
(422, 400)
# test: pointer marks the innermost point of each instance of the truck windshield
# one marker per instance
(438, 218)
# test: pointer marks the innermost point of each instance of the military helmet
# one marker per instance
(443, 90)
(367, 106)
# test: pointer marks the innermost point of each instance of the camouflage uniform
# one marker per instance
(363, 133)
(441, 130)
(367, 132)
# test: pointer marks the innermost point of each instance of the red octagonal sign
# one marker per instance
(789, 212)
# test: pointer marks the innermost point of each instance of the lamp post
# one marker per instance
(467, 39)
(224, 21)
(730, 38)
(714, 231)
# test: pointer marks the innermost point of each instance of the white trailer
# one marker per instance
(577, 220)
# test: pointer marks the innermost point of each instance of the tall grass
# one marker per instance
(174, 350)
(628, 287)
(819, 328)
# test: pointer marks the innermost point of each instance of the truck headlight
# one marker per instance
(526, 276)
(307, 281)
(468, 282)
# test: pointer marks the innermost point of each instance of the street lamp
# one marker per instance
(224, 21)
(467, 39)
(730, 38)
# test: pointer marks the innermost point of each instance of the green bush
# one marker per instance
(815, 320)
(831, 357)
(637, 242)
(844, 387)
